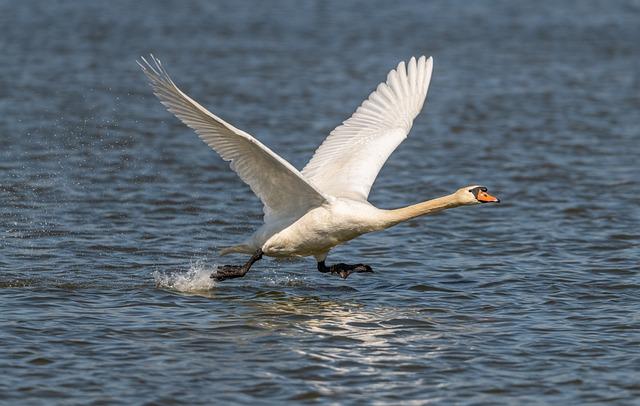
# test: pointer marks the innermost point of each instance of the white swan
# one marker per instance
(308, 213)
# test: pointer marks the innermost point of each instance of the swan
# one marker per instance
(308, 212)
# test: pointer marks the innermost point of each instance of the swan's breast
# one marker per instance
(321, 229)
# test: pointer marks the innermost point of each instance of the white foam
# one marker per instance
(196, 279)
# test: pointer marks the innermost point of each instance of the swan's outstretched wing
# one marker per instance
(281, 187)
(348, 161)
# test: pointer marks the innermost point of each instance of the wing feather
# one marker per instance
(350, 158)
(283, 190)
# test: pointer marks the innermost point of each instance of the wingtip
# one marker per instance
(427, 62)
(151, 65)
(145, 65)
(422, 60)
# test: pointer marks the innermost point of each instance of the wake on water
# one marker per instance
(197, 279)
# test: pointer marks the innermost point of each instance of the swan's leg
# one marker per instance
(344, 270)
(236, 271)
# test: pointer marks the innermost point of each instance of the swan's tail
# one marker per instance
(241, 249)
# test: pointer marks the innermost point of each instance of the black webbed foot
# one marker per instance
(236, 271)
(229, 272)
(344, 270)
(347, 270)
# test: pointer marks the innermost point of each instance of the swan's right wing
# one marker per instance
(281, 187)
(348, 161)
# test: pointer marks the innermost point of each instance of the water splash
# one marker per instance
(196, 279)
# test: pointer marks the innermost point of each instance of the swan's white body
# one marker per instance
(309, 212)
(317, 231)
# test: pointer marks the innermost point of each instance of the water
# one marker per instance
(111, 211)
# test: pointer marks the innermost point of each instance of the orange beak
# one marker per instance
(485, 197)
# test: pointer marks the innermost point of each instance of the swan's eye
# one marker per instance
(477, 190)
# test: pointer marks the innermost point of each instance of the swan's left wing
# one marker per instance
(281, 187)
(348, 161)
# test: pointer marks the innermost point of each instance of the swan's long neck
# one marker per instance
(396, 216)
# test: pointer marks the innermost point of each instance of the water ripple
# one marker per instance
(112, 212)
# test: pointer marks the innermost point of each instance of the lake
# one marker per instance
(112, 212)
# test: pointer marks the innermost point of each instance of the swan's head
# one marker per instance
(475, 194)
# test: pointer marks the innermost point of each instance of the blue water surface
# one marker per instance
(112, 211)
